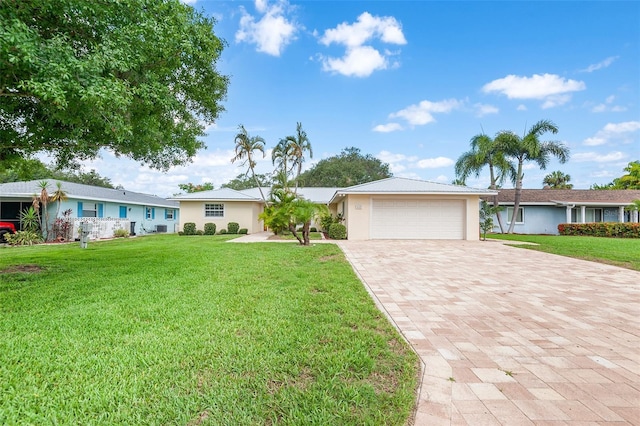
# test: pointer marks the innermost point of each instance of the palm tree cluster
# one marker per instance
(505, 155)
(284, 209)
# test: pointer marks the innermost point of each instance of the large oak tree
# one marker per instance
(136, 77)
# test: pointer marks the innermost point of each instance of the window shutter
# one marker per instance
(79, 209)
(166, 213)
(153, 213)
(100, 210)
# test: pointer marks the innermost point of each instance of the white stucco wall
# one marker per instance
(358, 213)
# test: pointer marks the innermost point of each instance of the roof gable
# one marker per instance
(220, 194)
(398, 185)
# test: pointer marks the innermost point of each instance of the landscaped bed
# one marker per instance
(623, 252)
(170, 330)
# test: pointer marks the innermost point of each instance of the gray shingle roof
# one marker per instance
(317, 195)
(398, 185)
(220, 194)
(84, 192)
(568, 196)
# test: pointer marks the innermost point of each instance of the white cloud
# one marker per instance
(360, 61)
(521, 107)
(422, 113)
(602, 174)
(485, 109)
(607, 106)
(189, 1)
(551, 88)
(386, 128)
(600, 65)
(435, 163)
(360, 58)
(615, 132)
(272, 32)
(598, 158)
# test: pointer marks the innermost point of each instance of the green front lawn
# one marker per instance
(188, 331)
(623, 252)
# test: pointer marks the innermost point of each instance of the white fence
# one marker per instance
(101, 227)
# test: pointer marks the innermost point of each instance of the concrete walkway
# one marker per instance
(510, 336)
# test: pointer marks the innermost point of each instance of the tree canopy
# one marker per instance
(136, 77)
(243, 181)
(22, 169)
(190, 187)
(630, 180)
(348, 168)
(557, 180)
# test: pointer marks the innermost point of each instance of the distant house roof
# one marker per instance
(84, 192)
(220, 194)
(611, 197)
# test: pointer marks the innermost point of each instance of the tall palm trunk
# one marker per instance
(494, 199)
(516, 201)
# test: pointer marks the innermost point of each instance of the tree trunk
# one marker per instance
(516, 201)
(292, 228)
(495, 198)
(305, 233)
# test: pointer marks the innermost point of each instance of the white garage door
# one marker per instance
(418, 219)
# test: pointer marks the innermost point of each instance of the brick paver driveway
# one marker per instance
(510, 336)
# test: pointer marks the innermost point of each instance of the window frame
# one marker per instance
(211, 208)
(521, 214)
(170, 214)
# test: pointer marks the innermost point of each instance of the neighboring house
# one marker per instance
(107, 209)
(393, 208)
(542, 210)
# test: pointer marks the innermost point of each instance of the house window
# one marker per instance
(519, 216)
(214, 210)
(169, 214)
(150, 213)
(91, 210)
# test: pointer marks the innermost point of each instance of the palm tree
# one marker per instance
(245, 146)
(557, 180)
(530, 148)
(485, 152)
(297, 145)
(281, 155)
(43, 199)
(58, 196)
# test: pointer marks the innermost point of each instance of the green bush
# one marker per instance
(209, 229)
(23, 238)
(313, 229)
(180, 232)
(121, 233)
(337, 231)
(222, 231)
(601, 229)
(189, 228)
(243, 231)
(199, 232)
(232, 228)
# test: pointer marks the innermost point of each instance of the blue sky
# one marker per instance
(411, 82)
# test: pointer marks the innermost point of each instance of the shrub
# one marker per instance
(337, 231)
(23, 238)
(243, 231)
(199, 232)
(313, 229)
(601, 229)
(223, 231)
(180, 232)
(209, 229)
(232, 228)
(189, 228)
(121, 233)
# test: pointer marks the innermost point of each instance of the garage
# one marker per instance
(418, 219)
(409, 209)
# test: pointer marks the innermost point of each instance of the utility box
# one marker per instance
(85, 230)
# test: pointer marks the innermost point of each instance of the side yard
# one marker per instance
(190, 330)
(624, 252)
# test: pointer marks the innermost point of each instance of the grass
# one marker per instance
(181, 330)
(624, 252)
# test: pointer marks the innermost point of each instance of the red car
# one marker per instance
(6, 228)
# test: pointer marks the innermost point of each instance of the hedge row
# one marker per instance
(601, 229)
